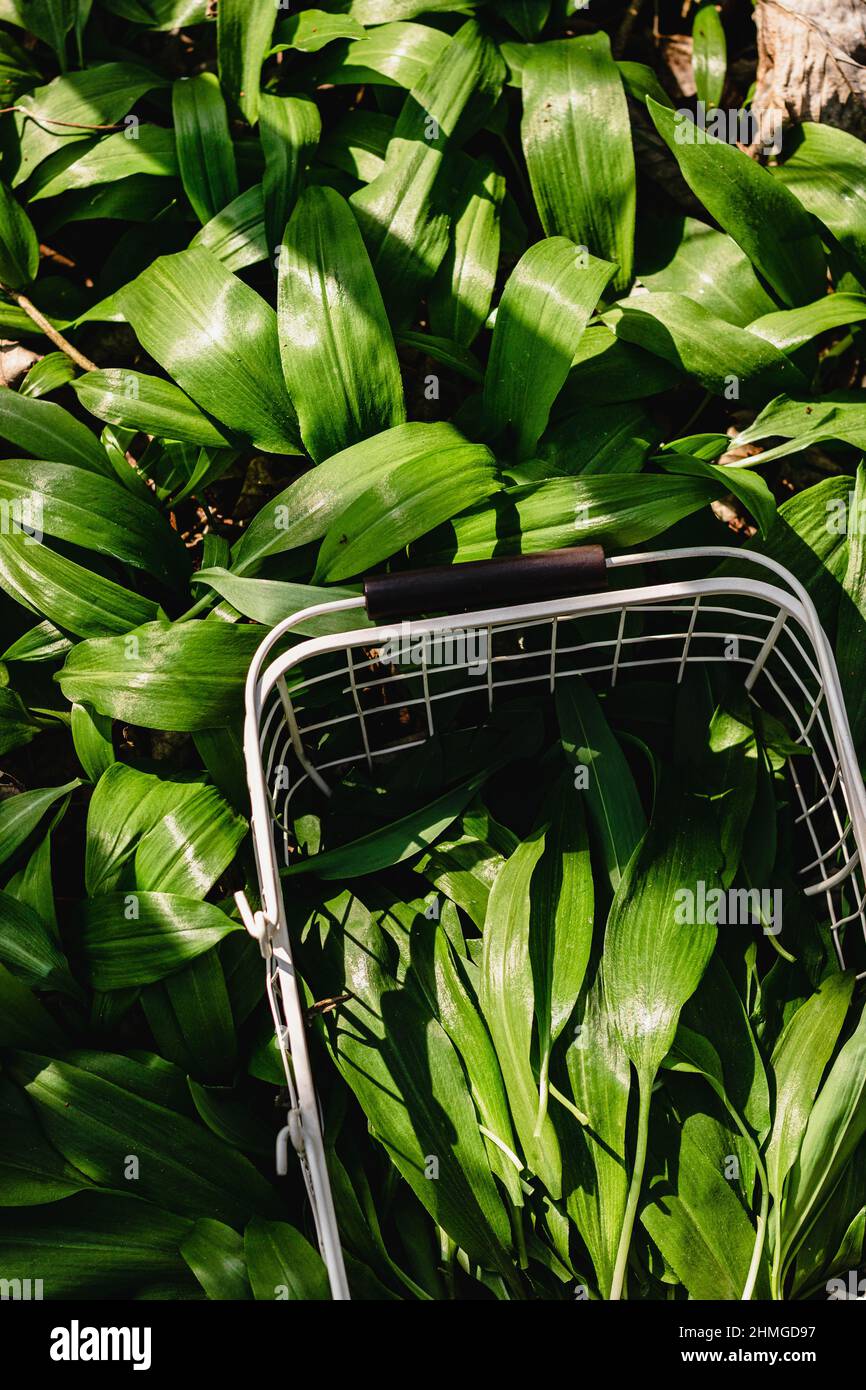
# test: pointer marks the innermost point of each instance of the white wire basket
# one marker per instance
(367, 694)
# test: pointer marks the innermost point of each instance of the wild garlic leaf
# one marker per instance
(654, 955)
(507, 997)
(600, 770)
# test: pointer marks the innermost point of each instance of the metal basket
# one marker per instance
(372, 692)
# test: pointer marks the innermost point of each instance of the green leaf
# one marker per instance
(128, 804)
(464, 864)
(748, 487)
(852, 612)
(397, 509)
(461, 294)
(834, 1245)
(577, 142)
(613, 802)
(798, 1063)
(33, 884)
(75, 598)
(268, 601)
(20, 814)
(148, 150)
(232, 1112)
(17, 70)
(289, 129)
(95, 1123)
(236, 235)
(826, 172)
(358, 144)
(281, 1264)
(393, 843)
(305, 510)
(51, 372)
(49, 20)
(139, 402)
(528, 17)
(41, 643)
(30, 949)
(135, 199)
(136, 938)
(654, 957)
(23, 1020)
(17, 726)
(402, 1067)
(607, 369)
(808, 539)
(715, 353)
(683, 256)
(243, 37)
(616, 510)
(460, 1016)
(191, 846)
(190, 676)
(190, 1016)
(47, 117)
(773, 229)
(205, 153)
(98, 1245)
(89, 511)
(804, 421)
(31, 1171)
(393, 54)
(598, 439)
(507, 997)
(836, 1124)
(160, 14)
(718, 1015)
(641, 81)
(144, 1073)
(379, 11)
(789, 329)
(337, 349)
(560, 920)
(695, 1218)
(215, 1254)
(709, 55)
(544, 309)
(91, 735)
(19, 244)
(444, 350)
(400, 213)
(311, 30)
(47, 431)
(218, 339)
(599, 1073)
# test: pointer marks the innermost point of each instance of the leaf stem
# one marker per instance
(761, 1229)
(762, 1222)
(206, 601)
(645, 1090)
(49, 120)
(49, 330)
(500, 1144)
(569, 1105)
(776, 1275)
(543, 1093)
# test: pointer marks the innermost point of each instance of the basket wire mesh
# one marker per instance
(364, 695)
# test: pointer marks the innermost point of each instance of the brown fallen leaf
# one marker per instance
(811, 56)
(15, 361)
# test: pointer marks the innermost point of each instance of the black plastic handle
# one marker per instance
(485, 583)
